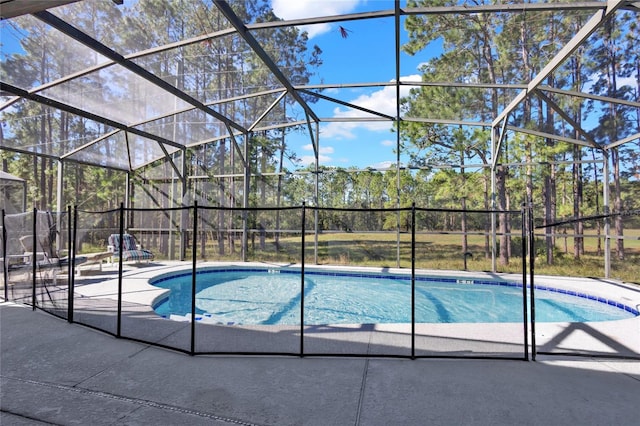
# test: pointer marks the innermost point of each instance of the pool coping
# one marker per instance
(597, 338)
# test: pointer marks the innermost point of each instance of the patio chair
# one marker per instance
(130, 249)
(43, 255)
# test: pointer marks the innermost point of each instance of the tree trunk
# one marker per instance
(578, 227)
(617, 203)
(548, 217)
(263, 193)
(487, 224)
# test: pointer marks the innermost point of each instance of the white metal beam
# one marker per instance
(623, 141)
(568, 119)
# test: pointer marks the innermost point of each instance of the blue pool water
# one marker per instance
(268, 296)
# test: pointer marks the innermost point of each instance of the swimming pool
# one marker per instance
(273, 296)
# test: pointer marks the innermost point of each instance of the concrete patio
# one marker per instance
(54, 372)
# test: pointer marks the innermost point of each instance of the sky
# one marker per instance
(367, 54)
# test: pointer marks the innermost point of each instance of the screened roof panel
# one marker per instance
(122, 151)
(143, 151)
(163, 170)
(142, 25)
(110, 152)
(63, 55)
(250, 110)
(187, 128)
(118, 94)
(275, 113)
(212, 70)
(297, 63)
(21, 122)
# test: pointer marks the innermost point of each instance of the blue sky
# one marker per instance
(366, 55)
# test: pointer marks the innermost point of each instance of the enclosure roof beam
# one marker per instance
(314, 138)
(550, 136)
(170, 160)
(11, 9)
(396, 25)
(71, 31)
(256, 129)
(447, 122)
(443, 121)
(243, 31)
(414, 83)
(8, 103)
(578, 128)
(463, 85)
(26, 151)
(352, 119)
(604, 99)
(126, 140)
(280, 126)
(347, 104)
(622, 141)
(581, 36)
(244, 161)
(345, 85)
(501, 135)
(181, 43)
(89, 144)
(633, 6)
(267, 111)
(504, 8)
(57, 158)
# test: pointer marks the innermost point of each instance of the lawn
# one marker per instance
(444, 251)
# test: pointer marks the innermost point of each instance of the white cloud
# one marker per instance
(295, 9)
(305, 160)
(323, 149)
(388, 142)
(620, 81)
(627, 81)
(384, 165)
(383, 101)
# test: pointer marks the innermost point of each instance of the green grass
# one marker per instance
(445, 252)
